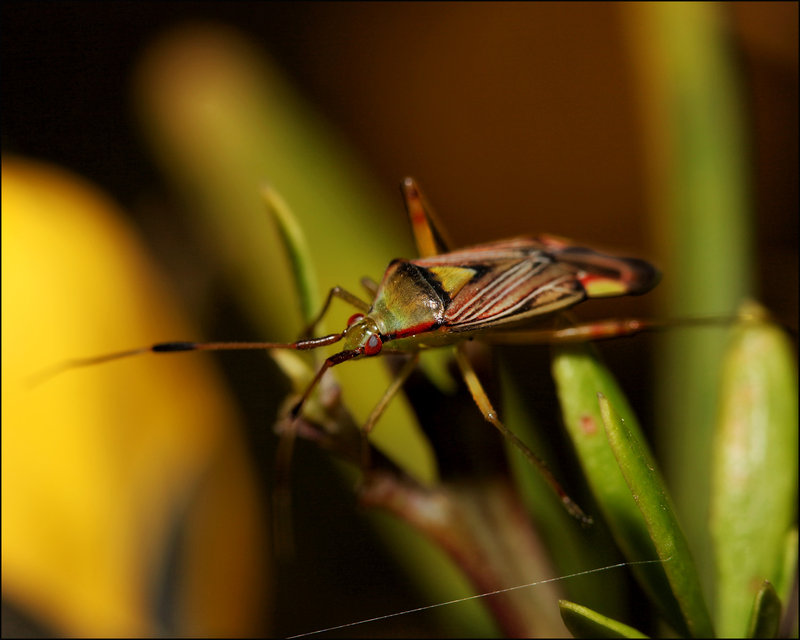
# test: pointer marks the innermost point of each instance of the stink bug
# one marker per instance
(494, 292)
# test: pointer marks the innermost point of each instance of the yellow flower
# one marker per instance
(128, 507)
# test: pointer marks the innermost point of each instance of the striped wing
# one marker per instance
(502, 283)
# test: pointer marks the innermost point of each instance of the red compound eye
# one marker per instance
(373, 345)
(356, 317)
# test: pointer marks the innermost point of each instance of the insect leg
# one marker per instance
(370, 286)
(390, 392)
(282, 534)
(377, 412)
(428, 238)
(281, 497)
(343, 294)
(490, 415)
(602, 329)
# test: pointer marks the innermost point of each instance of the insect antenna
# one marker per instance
(174, 347)
(281, 499)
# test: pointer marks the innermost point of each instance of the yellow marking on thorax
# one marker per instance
(452, 279)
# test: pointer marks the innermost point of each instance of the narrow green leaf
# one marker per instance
(222, 119)
(579, 377)
(582, 622)
(699, 169)
(765, 618)
(755, 467)
(651, 497)
(299, 254)
(788, 566)
(573, 548)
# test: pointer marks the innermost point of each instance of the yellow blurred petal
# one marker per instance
(107, 468)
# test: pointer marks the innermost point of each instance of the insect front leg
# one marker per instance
(287, 429)
(337, 292)
(490, 415)
(370, 286)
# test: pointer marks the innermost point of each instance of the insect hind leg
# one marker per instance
(427, 236)
(490, 415)
(601, 330)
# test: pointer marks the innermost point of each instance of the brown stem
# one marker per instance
(482, 526)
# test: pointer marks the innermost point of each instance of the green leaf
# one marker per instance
(299, 254)
(579, 377)
(765, 618)
(222, 119)
(788, 565)
(698, 168)
(755, 467)
(573, 548)
(651, 497)
(582, 622)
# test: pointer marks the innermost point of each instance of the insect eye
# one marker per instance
(356, 317)
(373, 345)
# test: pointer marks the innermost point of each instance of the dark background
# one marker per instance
(516, 118)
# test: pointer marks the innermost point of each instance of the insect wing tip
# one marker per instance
(607, 276)
(642, 276)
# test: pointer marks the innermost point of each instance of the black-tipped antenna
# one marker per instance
(173, 347)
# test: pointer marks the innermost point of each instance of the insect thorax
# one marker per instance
(408, 301)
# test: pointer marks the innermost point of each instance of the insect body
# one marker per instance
(483, 289)
(493, 292)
